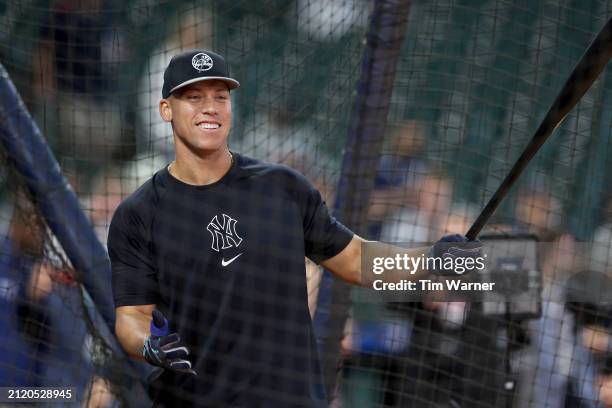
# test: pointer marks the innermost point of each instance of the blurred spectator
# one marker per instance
(537, 211)
(370, 346)
(459, 218)
(543, 367)
(272, 136)
(553, 366)
(601, 255)
(190, 28)
(589, 298)
(340, 16)
(604, 382)
(44, 334)
(19, 362)
(401, 171)
(111, 185)
(74, 68)
(422, 223)
(106, 195)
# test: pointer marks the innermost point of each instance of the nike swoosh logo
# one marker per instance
(229, 261)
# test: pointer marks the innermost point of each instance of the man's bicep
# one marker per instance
(346, 265)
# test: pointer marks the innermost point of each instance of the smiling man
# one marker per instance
(216, 243)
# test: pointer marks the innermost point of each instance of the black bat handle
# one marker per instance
(587, 70)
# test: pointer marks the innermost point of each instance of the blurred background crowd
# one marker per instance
(473, 80)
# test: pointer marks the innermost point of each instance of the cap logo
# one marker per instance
(202, 62)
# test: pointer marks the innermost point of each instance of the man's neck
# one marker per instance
(201, 170)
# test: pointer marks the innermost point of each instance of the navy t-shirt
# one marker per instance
(225, 263)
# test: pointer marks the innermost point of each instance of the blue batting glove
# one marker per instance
(454, 246)
(166, 350)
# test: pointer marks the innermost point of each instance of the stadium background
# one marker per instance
(473, 80)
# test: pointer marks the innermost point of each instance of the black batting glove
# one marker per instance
(454, 246)
(166, 350)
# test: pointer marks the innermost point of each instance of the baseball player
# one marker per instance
(208, 260)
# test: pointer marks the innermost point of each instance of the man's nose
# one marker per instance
(208, 106)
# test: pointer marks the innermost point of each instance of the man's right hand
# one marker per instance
(166, 350)
(454, 246)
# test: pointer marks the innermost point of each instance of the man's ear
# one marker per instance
(165, 110)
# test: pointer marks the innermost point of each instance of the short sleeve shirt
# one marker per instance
(225, 263)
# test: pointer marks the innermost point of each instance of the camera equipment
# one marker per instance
(512, 264)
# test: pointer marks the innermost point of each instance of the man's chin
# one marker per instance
(208, 149)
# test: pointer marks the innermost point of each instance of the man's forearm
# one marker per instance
(132, 330)
(353, 263)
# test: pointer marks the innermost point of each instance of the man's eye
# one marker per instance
(222, 97)
(194, 98)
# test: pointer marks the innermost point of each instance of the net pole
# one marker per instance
(59, 206)
(366, 132)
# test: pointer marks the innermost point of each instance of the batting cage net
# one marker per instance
(403, 116)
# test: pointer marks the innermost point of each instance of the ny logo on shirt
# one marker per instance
(223, 232)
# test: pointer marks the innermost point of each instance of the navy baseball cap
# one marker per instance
(194, 66)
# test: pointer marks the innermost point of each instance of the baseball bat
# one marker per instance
(587, 70)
